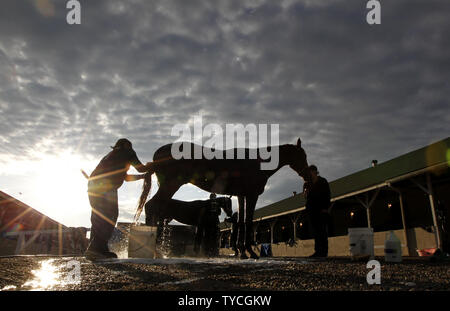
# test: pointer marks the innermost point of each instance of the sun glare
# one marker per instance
(60, 187)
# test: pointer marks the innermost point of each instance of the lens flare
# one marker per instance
(45, 7)
(45, 277)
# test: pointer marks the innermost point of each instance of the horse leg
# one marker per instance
(154, 207)
(198, 239)
(250, 205)
(241, 227)
(151, 215)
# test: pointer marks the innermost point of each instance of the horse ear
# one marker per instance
(299, 143)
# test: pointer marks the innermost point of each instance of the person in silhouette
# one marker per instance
(207, 233)
(211, 227)
(318, 197)
(103, 184)
(234, 232)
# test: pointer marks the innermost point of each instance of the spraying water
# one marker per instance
(164, 242)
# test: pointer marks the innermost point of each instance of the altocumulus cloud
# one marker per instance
(351, 91)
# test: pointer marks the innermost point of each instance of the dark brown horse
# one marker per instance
(240, 177)
(188, 213)
(203, 214)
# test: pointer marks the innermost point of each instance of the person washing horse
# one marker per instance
(103, 184)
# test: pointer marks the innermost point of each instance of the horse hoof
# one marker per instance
(252, 254)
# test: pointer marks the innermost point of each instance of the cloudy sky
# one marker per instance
(353, 92)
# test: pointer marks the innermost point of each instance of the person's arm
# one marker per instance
(137, 164)
(141, 168)
(134, 177)
(306, 189)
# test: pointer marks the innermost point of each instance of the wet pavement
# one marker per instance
(221, 274)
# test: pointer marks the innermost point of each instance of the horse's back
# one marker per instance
(186, 212)
(235, 155)
(223, 176)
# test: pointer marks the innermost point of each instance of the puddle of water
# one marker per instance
(46, 277)
(8, 287)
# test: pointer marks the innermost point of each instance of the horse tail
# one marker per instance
(146, 188)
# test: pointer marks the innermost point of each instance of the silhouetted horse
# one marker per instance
(203, 214)
(241, 177)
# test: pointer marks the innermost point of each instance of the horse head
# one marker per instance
(296, 159)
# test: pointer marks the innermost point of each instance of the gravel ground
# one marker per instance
(220, 274)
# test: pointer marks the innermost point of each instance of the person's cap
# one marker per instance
(313, 168)
(121, 143)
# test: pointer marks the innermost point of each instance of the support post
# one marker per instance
(60, 240)
(294, 222)
(272, 226)
(367, 204)
(369, 224)
(20, 243)
(437, 232)
(402, 210)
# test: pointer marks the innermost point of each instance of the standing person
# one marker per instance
(318, 198)
(103, 184)
(211, 229)
(234, 232)
(206, 236)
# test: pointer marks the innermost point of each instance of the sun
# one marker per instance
(60, 187)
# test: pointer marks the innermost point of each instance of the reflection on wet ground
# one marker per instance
(52, 273)
(60, 273)
(46, 277)
(8, 287)
(49, 275)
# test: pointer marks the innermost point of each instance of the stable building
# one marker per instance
(25, 231)
(409, 194)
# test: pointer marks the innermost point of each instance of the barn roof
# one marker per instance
(14, 211)
(436, 155)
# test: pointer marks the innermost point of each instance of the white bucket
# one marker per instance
(392, 248)
(361, 242)
(142, 242)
